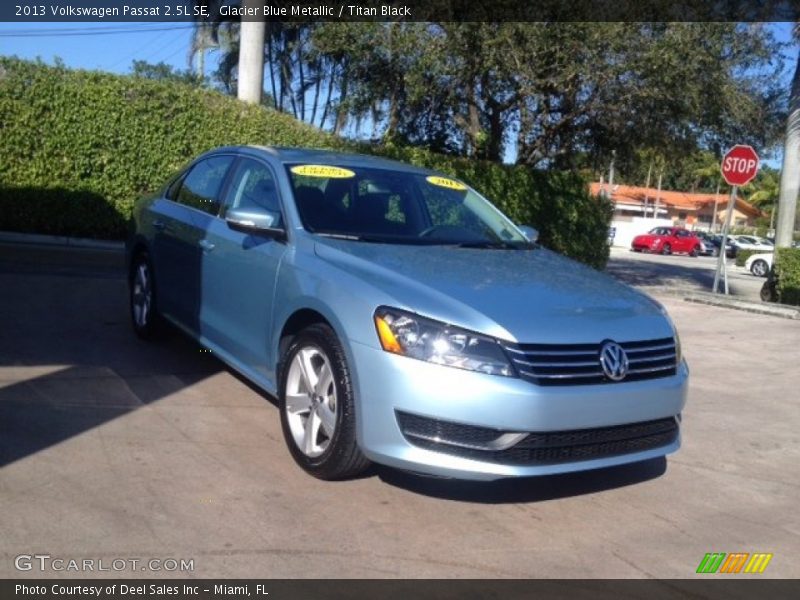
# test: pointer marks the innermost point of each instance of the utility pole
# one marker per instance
(611, 173)
(251, 55)
(790, 171)
(658, 196)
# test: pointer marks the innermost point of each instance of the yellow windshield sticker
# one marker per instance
(450, 184)
(323, 171)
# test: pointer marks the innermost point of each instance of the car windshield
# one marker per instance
(398, 207)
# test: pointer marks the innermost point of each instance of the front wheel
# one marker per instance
(317, 406)
(759, 268)
(666, 250)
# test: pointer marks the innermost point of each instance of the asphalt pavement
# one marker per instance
(680, 273)
(113, 448)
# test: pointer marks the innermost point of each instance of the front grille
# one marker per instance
(579, 364)
(537, 448)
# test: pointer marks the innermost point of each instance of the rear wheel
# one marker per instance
(147, 323)
(695, 252)
(317, 406)
(666, 250)
(759, 268)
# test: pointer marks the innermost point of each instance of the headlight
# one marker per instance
(413, 336)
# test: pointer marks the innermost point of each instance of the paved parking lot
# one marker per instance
(680, 272)
(115, 448)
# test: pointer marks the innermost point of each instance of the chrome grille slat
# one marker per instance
(579, 364)
(652, 358)
(591, 363)
(562, 375)
(553, 352)
(648, 349)
(651, 369)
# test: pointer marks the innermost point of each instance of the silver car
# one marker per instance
(401, 318)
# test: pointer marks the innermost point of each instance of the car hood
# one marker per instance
(534, 296)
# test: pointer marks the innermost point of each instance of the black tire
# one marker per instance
(148, 324)
(759, 268)
(341, 458)
(768, 292)
(666, 250)
(695, 252)
(715, 252)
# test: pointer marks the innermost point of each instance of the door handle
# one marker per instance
(206, 245)
(160, 225)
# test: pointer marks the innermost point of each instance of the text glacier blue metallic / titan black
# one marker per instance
(400, 318)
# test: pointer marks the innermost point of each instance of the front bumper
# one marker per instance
(388, 385)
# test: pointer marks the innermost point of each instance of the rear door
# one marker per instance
(181, 233)
(684, 241)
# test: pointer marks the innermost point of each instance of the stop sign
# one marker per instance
(739, 165)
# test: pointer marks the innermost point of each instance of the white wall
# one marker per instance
(628, 229)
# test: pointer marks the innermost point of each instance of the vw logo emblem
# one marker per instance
(614, 361)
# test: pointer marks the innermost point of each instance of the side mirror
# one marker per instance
(529, 232)
(255, 221)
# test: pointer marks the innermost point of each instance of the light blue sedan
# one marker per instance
(400, 318)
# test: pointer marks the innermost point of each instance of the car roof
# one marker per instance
(288, 155)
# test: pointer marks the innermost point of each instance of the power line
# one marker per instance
(90, 32)
(138, 51)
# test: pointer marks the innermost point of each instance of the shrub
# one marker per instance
(787, 270)
(69, 138)
(743, 255)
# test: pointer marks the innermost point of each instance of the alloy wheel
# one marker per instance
(759, 268)
(142, 295)
(311, 401)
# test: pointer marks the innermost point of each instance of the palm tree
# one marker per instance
(764, 193)
(790, 172)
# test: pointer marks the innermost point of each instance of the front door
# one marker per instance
(240, 270)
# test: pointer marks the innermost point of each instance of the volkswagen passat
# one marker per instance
(400, 318)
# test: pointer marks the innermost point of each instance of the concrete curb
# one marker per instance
(762, 308)
(11, 237)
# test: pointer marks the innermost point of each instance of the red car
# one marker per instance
(666, 240)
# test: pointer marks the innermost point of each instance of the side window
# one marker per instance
(172, 189)
(201, 186)
(253, 187)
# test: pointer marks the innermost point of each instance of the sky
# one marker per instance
(113, 47)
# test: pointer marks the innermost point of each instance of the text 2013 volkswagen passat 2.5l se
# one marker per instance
(401, 318)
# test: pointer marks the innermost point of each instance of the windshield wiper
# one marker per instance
(339, 236)
(497, 245)
(358, 238)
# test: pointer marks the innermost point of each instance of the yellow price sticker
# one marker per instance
(323, 171)
(444, 182)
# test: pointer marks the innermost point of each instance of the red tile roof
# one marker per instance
(631, 194)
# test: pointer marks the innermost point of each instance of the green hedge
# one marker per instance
(78, 147)
(743, 255)
(787, 270)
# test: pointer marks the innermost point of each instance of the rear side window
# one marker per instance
(200, 188)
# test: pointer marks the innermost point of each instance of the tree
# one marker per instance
(163, 72)
(764, 191)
